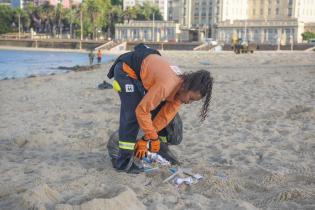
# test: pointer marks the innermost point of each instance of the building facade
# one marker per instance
(199, 19)
(232, 10)
(269, 22)
(159, 31)
(65, 3)
(262, 32)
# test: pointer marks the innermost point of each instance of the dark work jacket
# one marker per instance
(133, 59)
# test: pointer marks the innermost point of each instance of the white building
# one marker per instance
(304, 10)
(157, 31)
(232, 10)
(267, 21)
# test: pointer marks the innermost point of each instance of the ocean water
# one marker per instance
(19, 64)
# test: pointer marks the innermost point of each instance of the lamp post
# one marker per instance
(153, 38)
(19, 26)
(81, 23)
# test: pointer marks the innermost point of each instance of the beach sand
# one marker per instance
(255, 150)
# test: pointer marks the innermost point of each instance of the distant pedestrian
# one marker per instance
(91, 57)
(99, 56)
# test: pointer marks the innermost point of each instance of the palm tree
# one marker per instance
(46, 13)
(22, 17)
(59, 15)
(130, 13)
(115, 15)
(93, 9)
(70, 16)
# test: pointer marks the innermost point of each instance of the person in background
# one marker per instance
(99, 56)
(91, 57)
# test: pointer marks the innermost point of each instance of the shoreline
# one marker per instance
(59, 69)
(117, 53)
(2, 47)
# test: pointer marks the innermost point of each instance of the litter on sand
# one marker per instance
(154, 162)
(189, 180)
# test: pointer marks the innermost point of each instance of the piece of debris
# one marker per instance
(154, 162)
(105, 85)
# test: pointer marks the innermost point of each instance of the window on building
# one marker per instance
(261, 11)
(269, 11)
(277, 11)
(145, 34)
(290, 12)
(290, 2)
(254, 12)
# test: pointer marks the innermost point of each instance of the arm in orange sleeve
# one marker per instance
(166, 114)
(143, 111)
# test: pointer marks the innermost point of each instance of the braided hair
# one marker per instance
(200, 81)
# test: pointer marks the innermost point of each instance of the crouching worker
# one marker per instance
(151, 91)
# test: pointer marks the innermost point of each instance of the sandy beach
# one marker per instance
(256, 150)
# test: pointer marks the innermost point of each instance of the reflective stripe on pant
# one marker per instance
(163, 139)
(126, 145)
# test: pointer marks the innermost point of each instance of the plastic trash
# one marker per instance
(154, 157)
(191, 179)
(198, 176)
(187, 180)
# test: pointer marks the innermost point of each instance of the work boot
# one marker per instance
(131, 167)
(166, 153)
(135, 169)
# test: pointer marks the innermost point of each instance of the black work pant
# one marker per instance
(131, 92)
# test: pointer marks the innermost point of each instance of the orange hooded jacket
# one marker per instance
(162, 82)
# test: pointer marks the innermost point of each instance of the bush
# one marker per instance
(308, 35)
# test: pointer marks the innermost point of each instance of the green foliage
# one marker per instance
(97, 15)
(117, 3)
(145, 12)
(6, 19)
(308, 35)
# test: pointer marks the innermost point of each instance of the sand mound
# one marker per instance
(126, 199)
(41, 197)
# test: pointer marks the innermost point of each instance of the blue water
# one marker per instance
(19, 64)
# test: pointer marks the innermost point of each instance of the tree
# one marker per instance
(308, 35)
(130, 13)
(93, 10)
(46, 14)
(34, 21)
(115, 15)
(70, 17)
(58, 18)
(144, 12)
(24, 18)
(6, 19)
